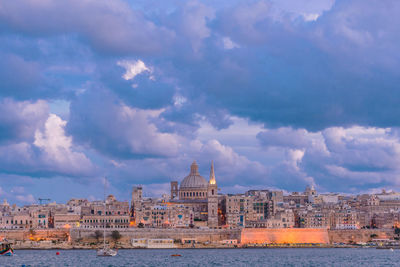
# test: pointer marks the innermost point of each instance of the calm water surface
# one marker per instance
(208, 257)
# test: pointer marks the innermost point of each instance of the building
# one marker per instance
(116, 214)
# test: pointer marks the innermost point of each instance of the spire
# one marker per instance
(212, 174)
(194, 168)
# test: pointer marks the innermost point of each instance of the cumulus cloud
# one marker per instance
(103, 122)
(58, 148)
(285, 137)
(193, 19)
(50, 153)
(232, 166)
(360, 156)
(20, 120)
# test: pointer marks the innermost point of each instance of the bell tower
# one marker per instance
(212, 199)
(136, 204)
(174, 190)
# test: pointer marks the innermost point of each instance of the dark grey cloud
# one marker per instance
(19, 76)
(110, 27)
(289, 73)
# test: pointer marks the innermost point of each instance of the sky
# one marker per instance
(280, 94)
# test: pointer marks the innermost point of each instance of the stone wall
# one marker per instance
(210, 235)
(282, 236)
(245, 236)
(42, 234)
(359, 236)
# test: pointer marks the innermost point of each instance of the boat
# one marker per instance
(6, 249)
(106, 251)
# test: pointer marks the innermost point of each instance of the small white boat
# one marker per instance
(106, 252)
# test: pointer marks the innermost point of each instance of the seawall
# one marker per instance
(201, 235)
(284, 236)
(36, 235)
(359, 236)
(78, 237)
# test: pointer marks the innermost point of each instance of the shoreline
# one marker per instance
(217, 248)
(311, 246)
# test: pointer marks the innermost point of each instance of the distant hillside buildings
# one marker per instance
(196, 203)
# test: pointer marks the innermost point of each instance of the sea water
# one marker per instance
(208, 257)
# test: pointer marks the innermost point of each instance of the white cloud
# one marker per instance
(57, 148)
(359, 155)
(19, 120)
(133, 68)
(51, 152)
(309, 10)
(193, 24)
(286, 137)
(310, 16)
(26, 198)
(143, 136)
(179, 100)
(229, 44)
(156, 189)
(18, 190)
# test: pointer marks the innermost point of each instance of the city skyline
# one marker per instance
(279, 94)
(166, 192)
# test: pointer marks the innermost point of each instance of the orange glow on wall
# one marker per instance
(284, 236)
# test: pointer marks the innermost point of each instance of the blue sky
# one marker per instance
(280, 94)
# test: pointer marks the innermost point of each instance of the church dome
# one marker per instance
(194, 179)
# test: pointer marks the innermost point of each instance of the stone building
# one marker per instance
(193, 186)
(116, 214)
(193, 202)
(199, 195)
(282, 219)
(212, 200)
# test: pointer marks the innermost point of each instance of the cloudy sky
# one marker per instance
(279, 93)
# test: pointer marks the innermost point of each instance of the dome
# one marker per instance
(194, 179)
